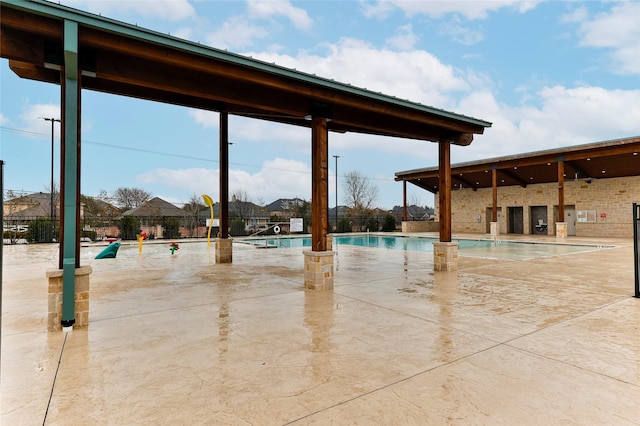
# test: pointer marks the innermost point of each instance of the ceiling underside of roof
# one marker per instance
(597, 161)
(134, 63)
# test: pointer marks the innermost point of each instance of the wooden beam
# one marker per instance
(444, 165)
(224, 174)
(494, 195)
(512, 175)
(577, 168)
(404, 200)
(561, 191)
(187, 61)
(319, 183)
(466, 182)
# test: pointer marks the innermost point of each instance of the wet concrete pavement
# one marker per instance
(509, 339)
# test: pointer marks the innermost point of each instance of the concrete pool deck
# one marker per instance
(182, 340)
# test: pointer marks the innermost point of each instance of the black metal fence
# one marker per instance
(636, 246)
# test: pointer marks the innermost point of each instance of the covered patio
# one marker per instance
(47, 42)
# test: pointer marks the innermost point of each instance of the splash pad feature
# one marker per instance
(109, 252)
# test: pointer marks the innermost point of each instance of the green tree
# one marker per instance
(344, 225)
(371, 224)
(170, 228)
(129, 227)
(40, 231)
(389, 223)
(303, 210)
(237, 226)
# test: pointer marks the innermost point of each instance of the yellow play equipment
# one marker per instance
(209, 202)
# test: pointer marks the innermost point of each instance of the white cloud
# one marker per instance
(461, 32)
(618, 31)
(566, 116)
(578, 15)
(265, 9)
(172, 10)
(415, 75)
(437, 9)
(32, 119)
(236, 32)
(3, 120)
(404, 40)
(33, 115)
(206, 119)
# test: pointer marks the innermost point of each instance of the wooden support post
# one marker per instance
(444, 195)
(494, 187)
(319, 183)
(224, 174)
(404, 200)
(560, 191)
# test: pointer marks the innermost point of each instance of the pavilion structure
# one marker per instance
(52, 43)
(618, 158)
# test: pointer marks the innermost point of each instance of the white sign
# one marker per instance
(296, 224)
(216, 222)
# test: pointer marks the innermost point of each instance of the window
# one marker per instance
(585, 216)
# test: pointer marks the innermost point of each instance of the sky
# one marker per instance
(546, 74)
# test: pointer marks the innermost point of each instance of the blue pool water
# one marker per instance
(373, 241)
(509, 250)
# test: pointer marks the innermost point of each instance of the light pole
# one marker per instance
(336, 157)
(51, 207)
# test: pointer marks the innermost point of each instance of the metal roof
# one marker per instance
(601, 160)
(124, 59)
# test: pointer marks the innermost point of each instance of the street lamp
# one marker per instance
(336, 157)
(51, 207)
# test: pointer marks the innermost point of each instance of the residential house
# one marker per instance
(154, 213)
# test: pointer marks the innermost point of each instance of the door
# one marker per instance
(516, 217)
(570, 219)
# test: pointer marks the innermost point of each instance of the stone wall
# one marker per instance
(611, 199)
(420, 226)
(81, 297)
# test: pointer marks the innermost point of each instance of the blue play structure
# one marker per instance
(109, 252)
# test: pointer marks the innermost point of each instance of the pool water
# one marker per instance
(476, 248)
(507, 250)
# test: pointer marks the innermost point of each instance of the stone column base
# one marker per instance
(81, 298)
(318, 270)
(561, 230)
(224, 250)
(495, 230)
(445, 256)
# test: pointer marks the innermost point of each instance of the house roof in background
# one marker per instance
(156, 207)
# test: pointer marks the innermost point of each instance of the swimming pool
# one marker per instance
(487, 249)
(475, 248)
(371, 241)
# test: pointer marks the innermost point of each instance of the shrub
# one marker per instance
(40, 231)
(371, 224)
(344, 225)
(170, 228)
(389, 223)
(129, 227)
